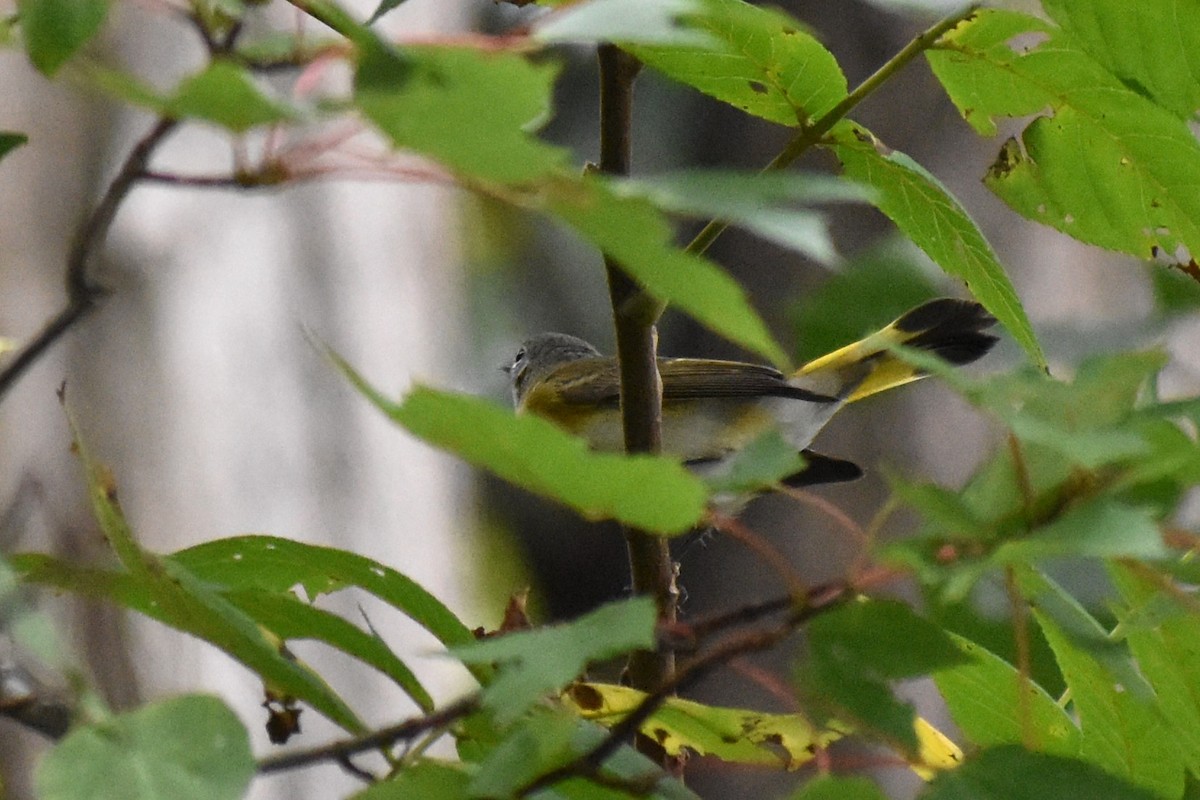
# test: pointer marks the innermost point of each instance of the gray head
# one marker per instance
(540, 356)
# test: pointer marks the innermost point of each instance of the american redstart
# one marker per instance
(712, 409)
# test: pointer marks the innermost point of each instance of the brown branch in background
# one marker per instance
(651, 568)
(340, 752)
(762, 548)
(82, 292)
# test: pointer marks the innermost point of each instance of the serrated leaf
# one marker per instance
(649, 492)
(1167, 648)
(639, 238)
(764, 204)
(1122, 730)
(54, 30)
(739, 735)
(1103, 528)
(467, 109)
(930, 216)
(856, 650)
(993, 705)
(1152, 46)
(186, 748)
(766, 64)
(1105, 165)
(885, 638)
(1011, 773)
(541, 661)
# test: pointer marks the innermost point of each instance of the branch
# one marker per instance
(811, 134)
(819, 601)
(651, 568)
(340, 752)
(82, 293)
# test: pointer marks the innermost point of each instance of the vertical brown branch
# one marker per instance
(650, 562)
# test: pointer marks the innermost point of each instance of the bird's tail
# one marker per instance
(951, 329)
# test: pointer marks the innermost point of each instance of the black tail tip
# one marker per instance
(946, 313)
(952, 329)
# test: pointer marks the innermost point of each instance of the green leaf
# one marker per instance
(1175, 291)
(761, 464)
(292, 619)
(541, 743)
(881, 283)
(760, 203)
(663, 22)
(1011, 773)
(856, 649)
(1152, 46)
(165, 590)
(1105, 165)
(223, 94)
(1122, 730)
(542, 661)
(425, 779)
(54, 30)
(10, 141)
(836, 787)
(993, 705)
(649, 492)
(1101, 528)
(929, 215)
(1167, 648)
(276, 564)
(186, 748)
(766, 64)
(638, 237)
(467, 109)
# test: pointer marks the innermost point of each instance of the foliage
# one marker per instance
(1092, 469)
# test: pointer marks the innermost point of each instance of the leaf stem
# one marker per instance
(810, 135)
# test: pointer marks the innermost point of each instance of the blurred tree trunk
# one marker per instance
(195, 383)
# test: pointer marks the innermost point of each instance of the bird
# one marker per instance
(712, 409)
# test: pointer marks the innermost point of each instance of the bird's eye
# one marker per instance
(518, 362)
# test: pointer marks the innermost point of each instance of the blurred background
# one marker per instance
(196, 384)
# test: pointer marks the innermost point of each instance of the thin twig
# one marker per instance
(762, 548)
(810, 135)
(341, 751)
(687, 675)
(82, 293)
